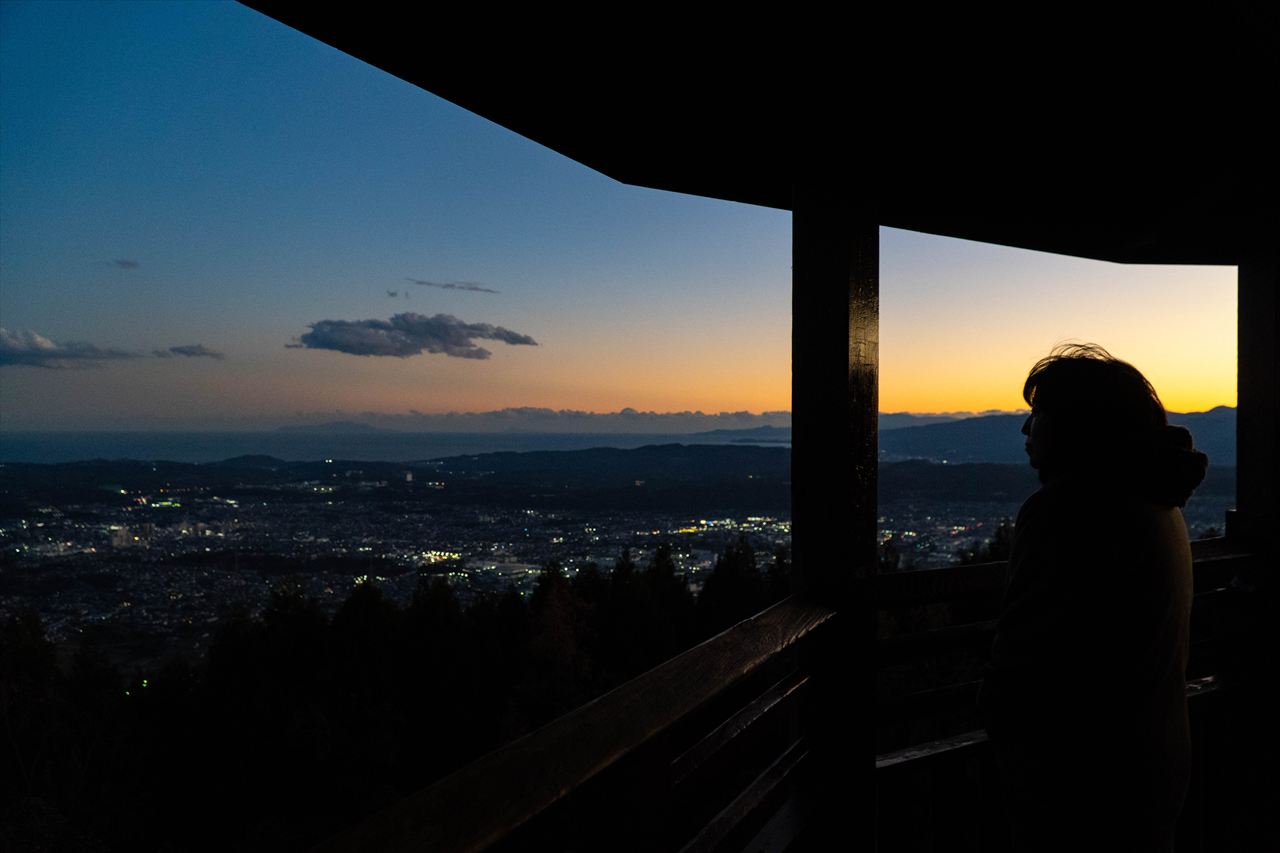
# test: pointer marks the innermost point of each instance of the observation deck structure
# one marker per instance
(1117, 135)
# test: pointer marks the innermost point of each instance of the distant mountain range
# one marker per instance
(762, 433)
(998, 438)
(950, 438)
(672, 478)
(902, 420)
(331, 428)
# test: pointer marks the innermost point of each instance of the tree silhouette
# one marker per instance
(295, 725)
(559, 669)
(734, 590)
(671, 619)
(779, 580)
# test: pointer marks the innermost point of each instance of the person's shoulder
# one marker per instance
(1157, 528)
(1033, 502)
(1050, 499)
(1038, 520)
(1115, 524)
(1058, 513)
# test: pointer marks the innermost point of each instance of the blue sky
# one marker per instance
(256, 182)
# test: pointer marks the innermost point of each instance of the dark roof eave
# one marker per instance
(1112, 160)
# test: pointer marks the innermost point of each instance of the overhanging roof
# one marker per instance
(1122, 138)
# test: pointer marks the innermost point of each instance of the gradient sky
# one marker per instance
(195, 174)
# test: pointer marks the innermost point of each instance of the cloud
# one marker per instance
(408, 334)
(526, 419)
(30, 349)
(125, 264)
(189, 351)
(26, 348)
(455, 285)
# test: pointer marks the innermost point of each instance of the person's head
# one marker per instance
(1088, 408)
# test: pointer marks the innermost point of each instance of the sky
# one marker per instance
(211, 221)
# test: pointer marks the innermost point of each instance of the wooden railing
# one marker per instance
(688, 755)
(935, 774)
(710, 750)
(936, 628)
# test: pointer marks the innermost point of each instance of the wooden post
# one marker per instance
(834, 403)
(1245, 754)
(1258, 377)
(834, 396)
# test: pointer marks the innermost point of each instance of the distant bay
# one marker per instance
(384, 446)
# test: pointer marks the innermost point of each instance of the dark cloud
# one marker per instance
(455, 285)
(188, 351)
(29, 349)
(125, 264)
(408, 334)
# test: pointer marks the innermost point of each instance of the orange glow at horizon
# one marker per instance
(918, 389)
(962, 323)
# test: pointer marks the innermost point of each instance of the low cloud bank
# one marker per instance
(25, 348)
(533, 419)
(31, 349)
(545, 420)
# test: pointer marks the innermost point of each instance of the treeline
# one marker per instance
(296, 725)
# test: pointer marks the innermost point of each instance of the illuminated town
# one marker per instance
(162, 556)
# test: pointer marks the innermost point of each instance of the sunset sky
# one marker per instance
(206, 218)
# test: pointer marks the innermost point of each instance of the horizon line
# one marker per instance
(512, 419)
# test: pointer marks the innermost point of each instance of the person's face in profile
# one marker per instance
(1036, 429)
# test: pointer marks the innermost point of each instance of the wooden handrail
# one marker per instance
(1216, 560)
(951, 746)
(488, 799)
(724, 735)
(1216, 563)
(711, 836)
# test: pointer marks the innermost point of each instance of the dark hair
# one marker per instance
(1109, 421)
(1091, 392)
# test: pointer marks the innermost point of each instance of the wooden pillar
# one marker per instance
(835, 309)
(1246, 753)
(834, 403)
(1257, 517)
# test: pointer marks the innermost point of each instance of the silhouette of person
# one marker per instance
(1084, 697)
